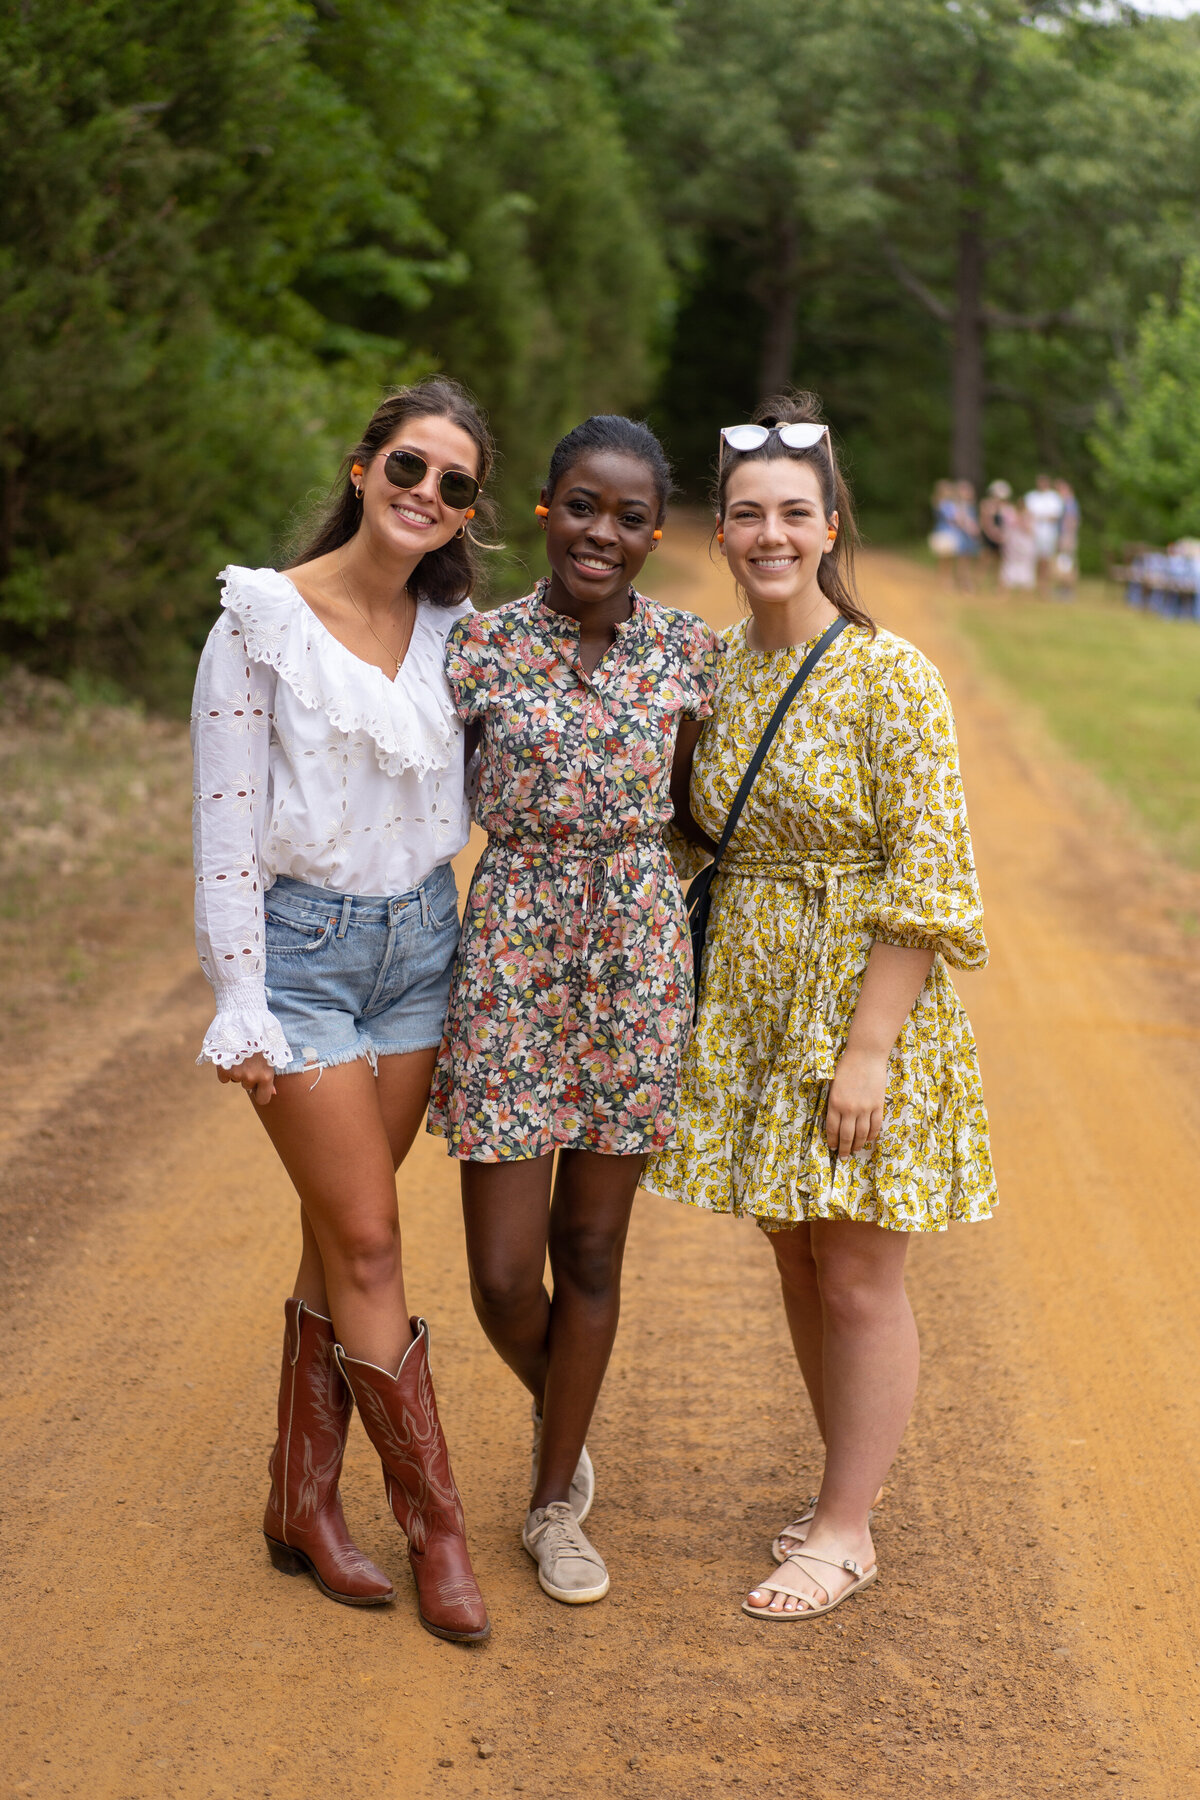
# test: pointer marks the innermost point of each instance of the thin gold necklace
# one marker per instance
(362, 615)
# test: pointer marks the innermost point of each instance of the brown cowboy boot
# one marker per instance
(401, 1420)
(303, 1523)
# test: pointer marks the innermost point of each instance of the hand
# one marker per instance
(854, 1113)
(255, 1074)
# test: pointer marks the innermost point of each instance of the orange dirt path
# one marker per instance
(1034, 1628)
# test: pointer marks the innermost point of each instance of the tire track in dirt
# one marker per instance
(151, 1650)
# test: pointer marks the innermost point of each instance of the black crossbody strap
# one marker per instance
(774, 722)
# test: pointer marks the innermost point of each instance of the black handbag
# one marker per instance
(698, 895)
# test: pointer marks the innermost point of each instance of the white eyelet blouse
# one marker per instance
(309, 763)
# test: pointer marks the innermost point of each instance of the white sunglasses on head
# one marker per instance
(801, 436)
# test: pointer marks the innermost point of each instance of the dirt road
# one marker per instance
(1035, 1628)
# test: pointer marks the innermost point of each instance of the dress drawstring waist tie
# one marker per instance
(596, 863)
(808, 1040)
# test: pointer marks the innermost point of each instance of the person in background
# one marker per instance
(329, 802)
(944, 539)
(991, 522)
(966, 523)
(1044, 505)
(1018, 547)
(1066, 558)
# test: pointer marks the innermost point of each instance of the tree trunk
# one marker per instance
(780, 301)
(968, 352)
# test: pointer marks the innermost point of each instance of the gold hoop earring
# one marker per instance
(461, 532)
(359, 492)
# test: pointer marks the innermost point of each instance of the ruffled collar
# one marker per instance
(411, 721)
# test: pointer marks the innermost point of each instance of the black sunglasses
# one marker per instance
(404, 469)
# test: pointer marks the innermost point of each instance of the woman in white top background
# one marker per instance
(329, 802)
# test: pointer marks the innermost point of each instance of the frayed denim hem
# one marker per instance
(309, 1062)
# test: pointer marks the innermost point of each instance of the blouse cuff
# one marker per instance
(244, 1027)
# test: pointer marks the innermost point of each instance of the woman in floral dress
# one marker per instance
(831, 1090)
(572, 996)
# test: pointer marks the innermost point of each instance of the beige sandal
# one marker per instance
(808, 1610)
(802, 1519)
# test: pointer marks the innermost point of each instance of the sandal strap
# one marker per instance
(802, 1518)
(808, 1556)
(773, 1585)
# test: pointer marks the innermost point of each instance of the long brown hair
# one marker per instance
(835, 575)
(443, 576)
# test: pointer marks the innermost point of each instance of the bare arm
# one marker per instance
(893, 978)
(687, 737)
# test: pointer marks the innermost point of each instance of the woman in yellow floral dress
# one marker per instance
(831, 1089)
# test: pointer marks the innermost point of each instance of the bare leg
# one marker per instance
(589, 1221)
(340, 1140)
(802, 1309)
(506, 1213)
(870, 1363)
(309, 1284)
(558, 1348)
(806, 1326)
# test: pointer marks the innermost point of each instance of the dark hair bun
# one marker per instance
(612, 431)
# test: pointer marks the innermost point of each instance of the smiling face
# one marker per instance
(600, 527)
(413, 521)
(776, 531)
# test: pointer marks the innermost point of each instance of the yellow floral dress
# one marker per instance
(855, 831)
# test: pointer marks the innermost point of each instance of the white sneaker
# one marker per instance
(569, 1568)
(583, 1482)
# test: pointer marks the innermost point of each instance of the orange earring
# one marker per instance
(356, 471)
(720, 537)
(541, 512)
(658, 537)
(470, 513)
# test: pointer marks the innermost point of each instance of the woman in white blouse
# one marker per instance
(328, 805)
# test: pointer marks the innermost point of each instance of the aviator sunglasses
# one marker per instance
(404, 469)
(796, 437)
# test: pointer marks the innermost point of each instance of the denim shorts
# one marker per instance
(352, 975)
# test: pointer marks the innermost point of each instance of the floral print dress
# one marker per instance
(854, 832)
(572, 994)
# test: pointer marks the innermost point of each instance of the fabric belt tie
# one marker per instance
(807, 1046)
(595, 862)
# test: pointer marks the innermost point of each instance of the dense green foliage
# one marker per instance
(946, 214)
(1147, 438)
(225, 227)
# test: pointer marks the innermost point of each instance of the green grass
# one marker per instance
(1119, 689)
